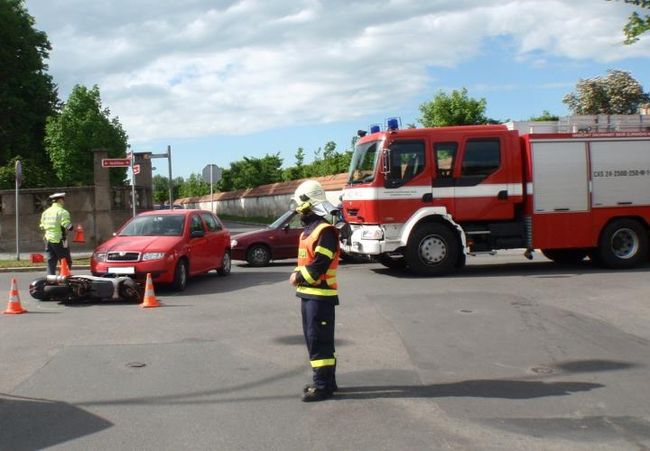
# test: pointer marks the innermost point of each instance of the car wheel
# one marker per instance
(180, 275)
(226, 264)
(37, 289)
(258, 255)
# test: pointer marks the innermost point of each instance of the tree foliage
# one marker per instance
(194, 186)
(161, 188)
(616, 93)
(637, 24)
(83, 125)
(456, 108)
(545, 116)
(27, 95)
(251, 172)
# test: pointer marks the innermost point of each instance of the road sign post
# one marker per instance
(19, 181)
(211, 174)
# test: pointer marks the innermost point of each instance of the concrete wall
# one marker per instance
(265, 201)
(99, 209)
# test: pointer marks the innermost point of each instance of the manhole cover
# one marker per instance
(136, 364)
(541, 370)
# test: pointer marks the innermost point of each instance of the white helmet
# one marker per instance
(310, 195)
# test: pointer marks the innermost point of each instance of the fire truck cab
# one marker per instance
(426, 198)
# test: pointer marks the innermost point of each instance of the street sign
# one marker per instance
(211, 173)
(136, 169)
(116, 162)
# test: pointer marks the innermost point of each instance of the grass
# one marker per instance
(25, 262)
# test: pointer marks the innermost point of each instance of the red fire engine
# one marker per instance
(427, 198)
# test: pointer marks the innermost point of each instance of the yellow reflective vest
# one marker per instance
(325, 285)
(53, 220)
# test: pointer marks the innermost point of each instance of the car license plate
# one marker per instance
(122, 270)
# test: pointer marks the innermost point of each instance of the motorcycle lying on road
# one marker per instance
(79, 288)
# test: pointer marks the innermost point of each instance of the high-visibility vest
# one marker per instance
(52, 220)
(325, 285)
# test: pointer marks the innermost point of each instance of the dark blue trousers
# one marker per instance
(54, 253)
(318, 327)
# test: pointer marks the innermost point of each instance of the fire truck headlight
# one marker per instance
(372, 233)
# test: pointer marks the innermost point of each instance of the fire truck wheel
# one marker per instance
(433, 249)
(565, 256)
(623, 244)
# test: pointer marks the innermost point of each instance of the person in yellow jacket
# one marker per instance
(55, 223)
(316, 286)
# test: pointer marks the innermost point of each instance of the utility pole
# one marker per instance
(169, 161)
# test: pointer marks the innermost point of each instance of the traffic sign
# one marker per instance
(116, 162)
(212, 173)
(136, 169)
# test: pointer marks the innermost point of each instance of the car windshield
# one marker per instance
(281, 220)
(364, 159)
(155, 225)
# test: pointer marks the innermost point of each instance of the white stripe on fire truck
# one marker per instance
(416, 192)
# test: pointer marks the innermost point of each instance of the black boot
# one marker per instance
(316, 394)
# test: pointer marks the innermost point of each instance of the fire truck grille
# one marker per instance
(123, 256)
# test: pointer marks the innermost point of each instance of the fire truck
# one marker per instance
(425, 199)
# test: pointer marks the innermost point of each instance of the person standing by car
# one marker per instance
(55, 223)
(316, 286)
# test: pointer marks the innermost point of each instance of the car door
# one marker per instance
(217, 240)
(284, 240)
(197, 245)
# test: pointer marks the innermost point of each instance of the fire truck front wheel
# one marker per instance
(433, 249)
(623, 244)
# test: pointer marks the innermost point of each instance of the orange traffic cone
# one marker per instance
(149, 299)
(65, 269)
(14, 307)
(79, 235)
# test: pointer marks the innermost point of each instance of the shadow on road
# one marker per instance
(542, 269)
(487, 388)
(28, 424)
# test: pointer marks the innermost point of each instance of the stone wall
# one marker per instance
(99, 209)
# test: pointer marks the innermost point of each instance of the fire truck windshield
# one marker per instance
(364, 160)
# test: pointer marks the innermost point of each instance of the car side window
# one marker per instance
(294, 222)
(211, 222)
(196, 224)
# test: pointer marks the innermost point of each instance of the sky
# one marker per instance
(219, 80)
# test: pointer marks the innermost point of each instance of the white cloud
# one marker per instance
(197, 67)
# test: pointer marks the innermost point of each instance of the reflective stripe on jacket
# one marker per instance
(52, 220)
(323, 285)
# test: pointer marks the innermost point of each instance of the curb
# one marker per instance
(36, 268)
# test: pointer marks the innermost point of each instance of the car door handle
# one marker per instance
(503, 195)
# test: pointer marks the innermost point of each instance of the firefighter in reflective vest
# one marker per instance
(55, 223)
(315, 282)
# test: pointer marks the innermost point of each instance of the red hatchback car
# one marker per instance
(171, 245)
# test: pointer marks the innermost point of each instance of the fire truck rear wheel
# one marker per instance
(392, 263)
(433, 249)
(623, 244)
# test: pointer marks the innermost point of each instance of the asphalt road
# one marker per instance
(508, 354)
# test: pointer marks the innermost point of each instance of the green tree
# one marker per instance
(83, 125)
(160, 189)
(616, 93)
(27, 95)
(637, 24)
(194, 186)
(251, 172)
(545, 116)
(295, 172)
(453, 109)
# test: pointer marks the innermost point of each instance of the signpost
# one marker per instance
(19, 181)
(212, 174)
(116, 162)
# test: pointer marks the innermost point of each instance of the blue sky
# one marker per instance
(222, 79)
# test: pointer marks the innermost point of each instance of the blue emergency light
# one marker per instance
(392, 123)
(375, 128)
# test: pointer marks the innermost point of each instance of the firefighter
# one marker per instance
(55, 223)
(315, 282)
